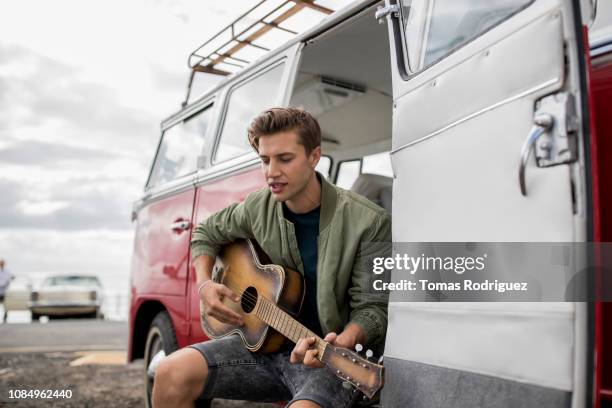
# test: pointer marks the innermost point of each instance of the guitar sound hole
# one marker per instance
(248, 299)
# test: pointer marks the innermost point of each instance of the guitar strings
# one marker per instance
(320, 343)
(253, 303)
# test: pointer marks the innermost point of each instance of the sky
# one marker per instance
(84, 86)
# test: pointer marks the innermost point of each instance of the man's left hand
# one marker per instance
(303, 353)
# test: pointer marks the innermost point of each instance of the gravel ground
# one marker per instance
(117, 386)
(91, 385)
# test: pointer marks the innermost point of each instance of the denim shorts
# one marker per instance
(236, 373)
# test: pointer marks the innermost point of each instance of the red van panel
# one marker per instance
(212, 197)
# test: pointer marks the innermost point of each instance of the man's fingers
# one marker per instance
(310, 359)
(227, 315)
(225, 291)
(297, 354)
(299, 351)
(296, 357)
(330, 337)
(303, 344)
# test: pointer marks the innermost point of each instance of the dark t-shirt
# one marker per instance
(307, 233)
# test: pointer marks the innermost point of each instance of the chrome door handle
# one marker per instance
(543, 122)
(180, 225)
(383, 11)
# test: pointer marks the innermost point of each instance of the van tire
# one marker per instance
(160, 336)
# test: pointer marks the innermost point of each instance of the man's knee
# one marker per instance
(182, 374)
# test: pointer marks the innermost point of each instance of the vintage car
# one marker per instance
(17, 296)
(445, 99)
(67, 296)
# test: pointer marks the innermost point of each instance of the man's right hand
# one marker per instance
(212, 295)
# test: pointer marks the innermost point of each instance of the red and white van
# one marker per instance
(440, 101)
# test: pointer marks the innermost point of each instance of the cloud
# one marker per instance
(171, 80)
(37, 153)
(51, 95)
(65, 206)
(72, 156)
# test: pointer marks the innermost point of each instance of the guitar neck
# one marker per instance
(286, 325)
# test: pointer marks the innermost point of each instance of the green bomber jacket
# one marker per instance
(344, 282)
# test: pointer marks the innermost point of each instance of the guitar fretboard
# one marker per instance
(285, 324)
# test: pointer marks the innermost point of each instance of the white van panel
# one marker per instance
(481, 338)
(452, 189)
(453, 95)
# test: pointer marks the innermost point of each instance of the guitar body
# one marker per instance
(246, 270)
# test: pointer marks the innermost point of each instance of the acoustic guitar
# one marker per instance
(271, 297)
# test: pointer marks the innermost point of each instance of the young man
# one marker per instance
(302, 222)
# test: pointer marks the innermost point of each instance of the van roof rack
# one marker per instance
(218, 53)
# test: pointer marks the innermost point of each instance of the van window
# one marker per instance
(379, 163)
(348, 171)
(179, 148)
(324, 166)
(450, 24)
(244, 103)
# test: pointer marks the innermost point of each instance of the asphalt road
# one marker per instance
(63, 335)
(85, 356)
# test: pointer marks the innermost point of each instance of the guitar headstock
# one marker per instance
(349, 366)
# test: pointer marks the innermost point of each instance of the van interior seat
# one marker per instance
(376, 188)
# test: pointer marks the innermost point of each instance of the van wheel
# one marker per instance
(35, 317)
(161, 341)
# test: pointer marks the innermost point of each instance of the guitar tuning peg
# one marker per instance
(369, 353)
(358, 348)
(347, 385)
(380, 360)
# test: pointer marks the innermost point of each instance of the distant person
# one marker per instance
(5, 279)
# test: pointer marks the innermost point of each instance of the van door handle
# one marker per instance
(543, 122)
(383, 11)
(181, 225)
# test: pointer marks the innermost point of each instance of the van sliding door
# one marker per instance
(474, 85)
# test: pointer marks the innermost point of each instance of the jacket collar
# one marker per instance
(329, 198)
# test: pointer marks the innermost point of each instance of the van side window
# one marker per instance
(324, 166)
(179, 148)
(379, 163)
(244, 103)
(443, 26)
(348, 171)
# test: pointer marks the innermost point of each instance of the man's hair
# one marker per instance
(277, 120)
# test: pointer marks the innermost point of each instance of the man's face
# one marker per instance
(285, 165)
